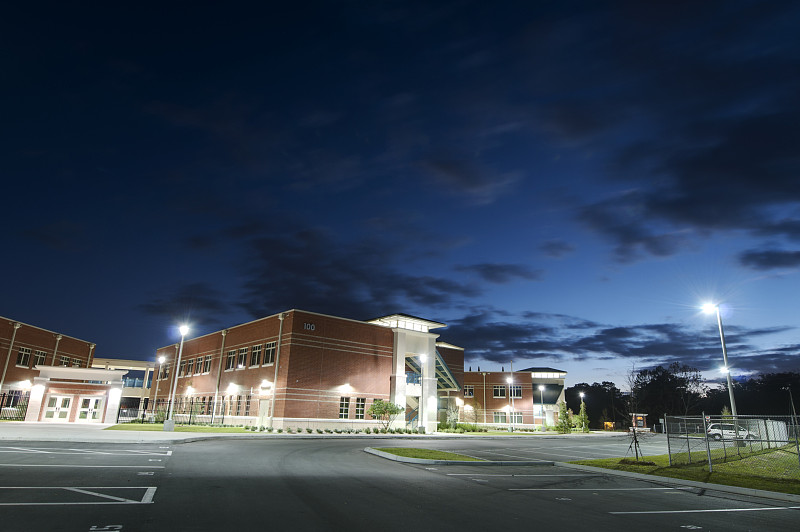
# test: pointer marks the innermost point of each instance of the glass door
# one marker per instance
(57, 408)
(90, 410)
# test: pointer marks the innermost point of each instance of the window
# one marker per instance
(190, 366)
(39, 358)
(76, 362)
(207, 364)
(255, 355)
(163, 371)
(516, 391)
(469, 391)
(247, 406)
(238, 404)
(269, 353)
(500, 391)
(361, 402)
(499, 417)
(182, 369)
(24, 357)
(344, 407)
(64, 360)
(516, 418)
(240, 363)
(230, 361)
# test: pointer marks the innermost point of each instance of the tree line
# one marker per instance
(679, 389)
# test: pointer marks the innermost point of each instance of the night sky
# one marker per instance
(562, 183)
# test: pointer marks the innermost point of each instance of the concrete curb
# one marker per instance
(786, 497)
(426, 461)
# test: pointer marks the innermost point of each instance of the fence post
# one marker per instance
(688, 444)
(708, 446)
(666, 431)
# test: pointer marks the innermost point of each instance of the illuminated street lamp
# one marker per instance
(709, 308)
(169, 424)
(541, 391)
(583, 419)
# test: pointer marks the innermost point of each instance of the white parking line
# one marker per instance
(67, 465)
(120, 452)
(147, 497)
(767, 509)
(510, 475)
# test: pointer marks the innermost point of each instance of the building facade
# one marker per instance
(310, 370)
(527, 398)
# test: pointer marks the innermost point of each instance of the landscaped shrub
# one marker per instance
(367, 430)
(308, 430)
(280, 430)
(319, 431)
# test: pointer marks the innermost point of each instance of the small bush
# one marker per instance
(280, 430)
(367, 430)
(308, 430)
(319, 431)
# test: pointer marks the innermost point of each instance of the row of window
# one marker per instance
(344, 407)
(498, 391)
(238, 359)
(231, 405)
(514, 417)
(24, 359)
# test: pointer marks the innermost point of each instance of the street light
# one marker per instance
(544, 419)
(709, 308)
(511, 400)
(169, 424)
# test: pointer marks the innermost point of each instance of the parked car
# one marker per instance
(729, 431)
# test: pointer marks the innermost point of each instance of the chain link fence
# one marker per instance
(767, 446)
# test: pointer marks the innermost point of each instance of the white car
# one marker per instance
(729, 431)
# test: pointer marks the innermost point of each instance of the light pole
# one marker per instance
(161, 360)
(544, 418)
(511, 405)
(169, 424)
(583, 409)
(708, 308)
(422, 359)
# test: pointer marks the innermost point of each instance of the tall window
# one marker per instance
(516, 418)
(39, 358)
(198, 365)
(255, 355)
(344, 407)
(240, 363)
(361, 402)
(516, 390)
(238, 404)
(247, 406)
(207, 364)
(499, 417)
(76, 362)
(190, 366)
(230, 361)
(182, 369)
(499, 391)
(24, 357)
(269, 353)
(64, 360)
(469, 391)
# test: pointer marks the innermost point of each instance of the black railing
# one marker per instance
(13, 406)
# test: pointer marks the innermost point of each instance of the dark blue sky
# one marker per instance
(562, 183)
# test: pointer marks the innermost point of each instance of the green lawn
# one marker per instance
(428, 454)
(159, 427)
(756, 471)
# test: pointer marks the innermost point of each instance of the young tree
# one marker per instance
(583, 418)
(384, 411)
(564, 425)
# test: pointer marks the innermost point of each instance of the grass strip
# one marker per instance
(733, 473)
(159, 427)
(428, 454)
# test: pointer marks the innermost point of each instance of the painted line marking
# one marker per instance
(86, 466)
(50, 450)
(599, 489)
(717, 510)
(147, 497)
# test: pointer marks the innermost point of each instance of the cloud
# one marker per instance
(556, 249)
(198, 303)
(502, 273)
(769, 259)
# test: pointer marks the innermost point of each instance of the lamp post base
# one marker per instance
(169, 425)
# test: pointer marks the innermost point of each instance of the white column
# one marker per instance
(36, 398)
(429, 388)
(397, 394)
(112, 404)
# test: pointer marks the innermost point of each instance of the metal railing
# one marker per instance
(13, 406)
(760, 445)
(195, 411)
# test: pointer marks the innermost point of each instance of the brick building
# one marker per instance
(46, 376)
(528, 398)
(301, 368)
